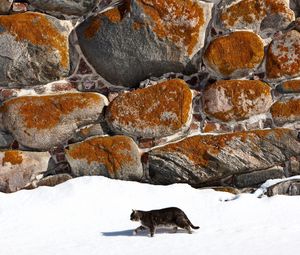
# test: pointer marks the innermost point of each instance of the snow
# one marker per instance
(90, 215)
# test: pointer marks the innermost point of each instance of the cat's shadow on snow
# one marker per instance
(129, 232)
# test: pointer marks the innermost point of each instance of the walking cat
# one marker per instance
(167, 217)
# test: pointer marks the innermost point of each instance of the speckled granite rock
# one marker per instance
(289, 187)
(116, 40)
(116, 157)
(5, 140)
(234, 55)
(286, 111)
(19, 168)
(26, 57)
(200, 160)
(261, 16)
(160, 110)
(42, 122)
(283, 56)
(229, 100)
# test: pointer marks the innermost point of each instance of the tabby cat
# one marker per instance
(167, 217)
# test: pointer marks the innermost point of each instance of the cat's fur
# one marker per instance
(167, 217)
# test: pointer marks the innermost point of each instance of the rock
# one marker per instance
(114, 42)
(5, 140)
(258, 15)
(65, 7)
(5, 6)
(234, 55)
(19, 7)
(295, 6)
(293, 167)
(86, 132)
(19, 168)
(53, 180)
(203, 159)
(160, 110)
(26, 57)
(226, 189)
(290, 187)
(292, 86)
(116, 157)
(285, 111)
(258, 177)
(229, 100)
(42, 122)
(283, 56)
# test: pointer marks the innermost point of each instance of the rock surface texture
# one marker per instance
(26, 57)
(115, 40)
(116, 157)
(19, 168)
(205, 92)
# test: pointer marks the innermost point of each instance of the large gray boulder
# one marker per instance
(147, 39)
(34, 49)
(203, 159)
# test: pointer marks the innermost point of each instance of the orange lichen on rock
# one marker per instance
(250, 11)
(177, 20)
(113, 152)
(13, 157)
(243, 98)
(44, 112)
(167, 104)
(37, 29)
(283, 56)
(286, 111)
(202, 148)
(93, 27)
(236, 51)
(292, 86)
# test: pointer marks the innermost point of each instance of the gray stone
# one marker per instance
(203, 159)
(26, 57)
(127, 48)
(5, 6)
(65, 7)
(53, 180)
(115, 157)
(20, 168)
(5, 140)
(42, 122)
(290, 187)
(258, 177)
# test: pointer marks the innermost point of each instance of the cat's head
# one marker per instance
(134, 216)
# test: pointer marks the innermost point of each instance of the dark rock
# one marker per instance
(258, 177)
(290, 187)
(147, 38)
(53, 180)
(5, 6)
(200, 160)
(5, 140)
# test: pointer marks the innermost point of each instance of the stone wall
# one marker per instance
(158, 91)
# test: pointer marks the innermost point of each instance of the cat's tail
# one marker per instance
(192, 226)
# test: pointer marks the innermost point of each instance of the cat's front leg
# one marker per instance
(152, 231)
(137, 229)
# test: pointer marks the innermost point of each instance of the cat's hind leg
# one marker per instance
(138, 229)
(182, 223)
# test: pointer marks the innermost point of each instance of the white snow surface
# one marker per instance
(90, 215)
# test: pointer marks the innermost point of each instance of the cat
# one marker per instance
(167, 217)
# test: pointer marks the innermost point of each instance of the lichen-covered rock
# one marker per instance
(202, 159)
(19, 168)
(292, 86)
(283, 56)
(53, 180)
(289, 187)
(116, 157)
(262, 16)
(286, 111)
(160, 110)
(229, 100)
(147, 38)
(5, 6)
(65, 7)
(34, 49)
(234, 55)
(42, 122)
(258, 177)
